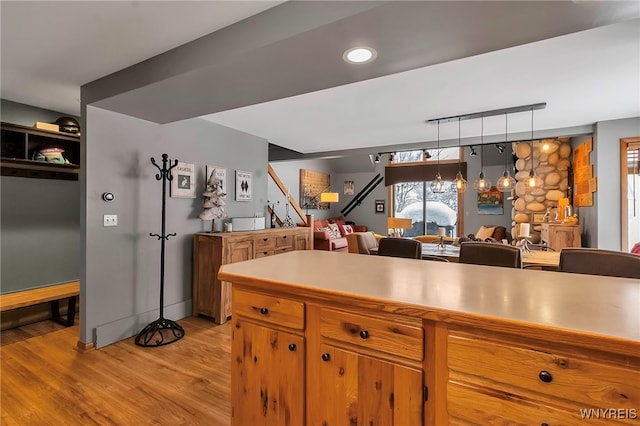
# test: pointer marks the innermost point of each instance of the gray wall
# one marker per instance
(601, 223)
(492, 171)
(121, 277)
(289, 174)
(40, 220)
(365, 213)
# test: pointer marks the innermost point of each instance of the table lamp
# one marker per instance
(398, 224)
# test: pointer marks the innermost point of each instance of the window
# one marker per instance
(428, 210)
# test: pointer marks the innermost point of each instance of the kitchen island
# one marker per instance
(323, 338)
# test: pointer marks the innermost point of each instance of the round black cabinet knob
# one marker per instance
(545, 376)
(264, 311)
(326, 357)
(292, 347)
(544, 424)
(364, 334)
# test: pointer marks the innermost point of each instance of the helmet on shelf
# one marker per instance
(68, 125)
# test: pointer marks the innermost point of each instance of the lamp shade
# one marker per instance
(399, 223)
(329, 197)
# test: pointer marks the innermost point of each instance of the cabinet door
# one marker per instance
(267, 381)
(239, 251)
(301, 242)
(356, 389)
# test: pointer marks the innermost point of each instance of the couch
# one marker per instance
(330, 234)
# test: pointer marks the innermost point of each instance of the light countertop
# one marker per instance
(603, 306)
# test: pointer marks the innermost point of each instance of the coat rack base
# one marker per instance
(159, 333)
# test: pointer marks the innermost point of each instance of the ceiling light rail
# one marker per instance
(491, 113)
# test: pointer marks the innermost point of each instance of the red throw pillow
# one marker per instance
(346, 230)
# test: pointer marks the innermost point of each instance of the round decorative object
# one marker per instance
(50, 155)
(68, 125)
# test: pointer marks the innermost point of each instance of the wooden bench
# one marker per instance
(53, 294)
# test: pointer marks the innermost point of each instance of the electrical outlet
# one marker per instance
(110, 220)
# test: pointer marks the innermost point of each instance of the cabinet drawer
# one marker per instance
(283, 250)
(264, 253)
(589, 382)
(270, 309)
(265, 243)
(486, 407)
(284, 241)
(383, 333)
(544, 233)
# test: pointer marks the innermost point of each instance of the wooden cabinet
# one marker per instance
(364, 367)
(211, 296)
(405, 345)
(535, 382)
(557, 236)
(20, 147)
(267, 383)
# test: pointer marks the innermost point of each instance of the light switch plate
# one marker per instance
(110, 220)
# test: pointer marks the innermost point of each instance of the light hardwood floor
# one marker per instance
(45, 381)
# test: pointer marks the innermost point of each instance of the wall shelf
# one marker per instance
(19, 143)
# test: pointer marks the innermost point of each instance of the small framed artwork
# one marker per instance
(183, 182)
(379, 206)
(221, 176)
(538, 218)
(244, 186)
(490, 201)
(349, 187)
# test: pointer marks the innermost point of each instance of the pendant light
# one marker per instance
(533, 181)
(437, 186)
(481, 184)
(459, 183)
(506, 182)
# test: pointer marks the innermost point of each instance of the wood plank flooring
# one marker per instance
(45, 381)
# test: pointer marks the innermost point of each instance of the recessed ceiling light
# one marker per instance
(359, 55)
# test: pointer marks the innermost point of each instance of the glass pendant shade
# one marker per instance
(437, 186)
(481, 184)
(506, 182)
(533, 181)
(459, 183)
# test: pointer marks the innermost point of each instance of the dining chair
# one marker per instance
(400, 247)
(361, 242)
(490, 254)
(600, 262)
(434, 258)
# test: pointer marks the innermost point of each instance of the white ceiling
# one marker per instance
(583, 77)
(51, 48)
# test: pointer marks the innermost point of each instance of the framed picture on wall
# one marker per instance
(221, 176)
(379, 206)
(183, 184)
(490, 201)
(349, 187)
(244, 186)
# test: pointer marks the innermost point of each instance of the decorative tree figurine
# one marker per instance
(214, 201)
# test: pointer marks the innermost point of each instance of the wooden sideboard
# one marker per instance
(211, 296)
(558, 236)
(389, 341)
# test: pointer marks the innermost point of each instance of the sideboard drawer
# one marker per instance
(264, 253)
(588, 382)
(271, 309)
(284, 241)
(265, 243)
(382, 333)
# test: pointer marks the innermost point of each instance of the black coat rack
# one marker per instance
(162, 331)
